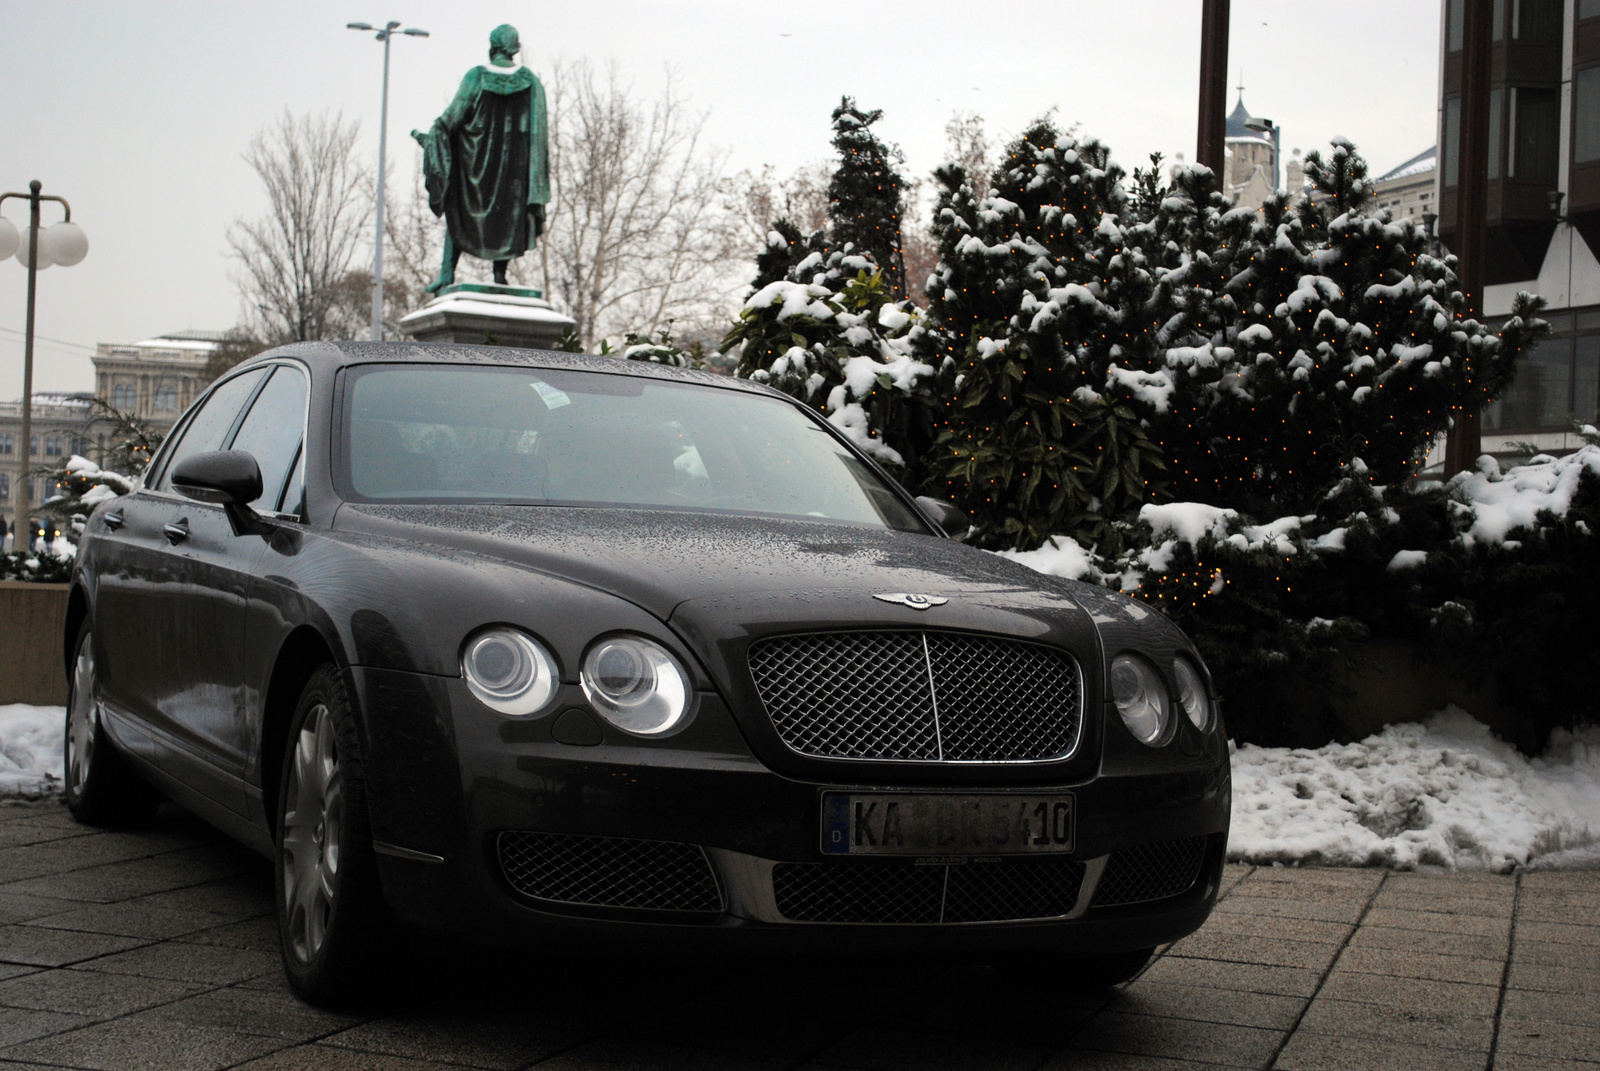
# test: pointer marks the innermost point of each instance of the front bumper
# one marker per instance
(447, 778)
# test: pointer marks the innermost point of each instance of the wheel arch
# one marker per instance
(304, 650)
(77, 613)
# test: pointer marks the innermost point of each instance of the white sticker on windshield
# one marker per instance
(553, 399)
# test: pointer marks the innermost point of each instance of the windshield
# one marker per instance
(547, 436)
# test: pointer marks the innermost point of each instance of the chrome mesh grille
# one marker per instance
(650, 875)
(919, 697)
(904, 893)
(1150, 872)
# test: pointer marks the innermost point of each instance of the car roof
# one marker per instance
(334, 355)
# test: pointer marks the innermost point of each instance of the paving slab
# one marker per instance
(501, 1043)
(158, 948)
(1149, 1035)
(1411, 994)
(90, 993)
(1326, 1052)
(1436, 1025)
(138, 1043)
(47, 948)
(1445, 944)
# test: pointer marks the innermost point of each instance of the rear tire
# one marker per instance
(330, 910)
(101, 787)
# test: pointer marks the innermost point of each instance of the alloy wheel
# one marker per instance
(312, 827)
(82, 719)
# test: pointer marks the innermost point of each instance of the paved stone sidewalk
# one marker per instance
(156, 949)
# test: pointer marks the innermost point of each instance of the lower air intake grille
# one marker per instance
(904, 893)
(1150, 872)
(648, 875)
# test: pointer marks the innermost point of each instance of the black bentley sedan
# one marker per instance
(529, 647)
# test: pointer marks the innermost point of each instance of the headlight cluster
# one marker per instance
(1144, 704)
(635, 684)
(632, 682)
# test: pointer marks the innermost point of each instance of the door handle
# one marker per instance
(114, 520)
(176, 533)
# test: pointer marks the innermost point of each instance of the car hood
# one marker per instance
(697, 564)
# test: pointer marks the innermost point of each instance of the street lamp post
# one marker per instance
(64, 244)
(383, 146)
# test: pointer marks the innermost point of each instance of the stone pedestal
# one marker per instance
(484, 314)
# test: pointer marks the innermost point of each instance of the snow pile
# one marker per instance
(1500, 504)
(30, 749)
(1060, 556)
(1444, 793)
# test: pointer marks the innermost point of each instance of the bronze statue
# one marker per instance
(486, 162)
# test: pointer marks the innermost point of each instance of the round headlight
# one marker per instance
(636, 684)
(1141, 698)
(1192, 693)
(509, 671)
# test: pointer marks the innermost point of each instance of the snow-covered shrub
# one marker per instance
(1040, 307)
(1494, 574)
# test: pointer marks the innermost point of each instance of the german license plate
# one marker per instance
(934, 824)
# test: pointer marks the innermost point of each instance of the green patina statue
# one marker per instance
(486, 162)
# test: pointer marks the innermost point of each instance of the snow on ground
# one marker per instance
(30, 749)
(1444, 793)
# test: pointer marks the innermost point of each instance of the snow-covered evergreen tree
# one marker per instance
(1300, 339)
(866, 196)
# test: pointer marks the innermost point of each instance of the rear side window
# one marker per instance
(209, 427)
(271, 431)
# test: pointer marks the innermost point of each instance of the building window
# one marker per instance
(1499, 20)
(6, 444)
(52, 446)
(1535, 135)
(166, 399)
(33, 446)
(1495, 101)
(1556, 382)
(1452, 141)
(5, 486)
(1536, 22)
(1455, 24)
(1586, 115)
(123, 396)
(1589, 9)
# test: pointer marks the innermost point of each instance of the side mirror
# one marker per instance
(223, 477)
(228, 478)
(951, 521)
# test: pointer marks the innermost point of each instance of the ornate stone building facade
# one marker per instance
(155, 380)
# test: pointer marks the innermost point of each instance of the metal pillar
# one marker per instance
(1465, 441)
(1210, 146)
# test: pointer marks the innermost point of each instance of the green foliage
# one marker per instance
(41, 568)
(1047, 428)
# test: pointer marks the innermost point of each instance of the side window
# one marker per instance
(271, 431)
(210, 425)
(294, 495)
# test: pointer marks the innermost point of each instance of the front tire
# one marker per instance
(329, 907)
(101, 789)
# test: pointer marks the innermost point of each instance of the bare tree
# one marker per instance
(639, 235)
(760, 198)
(293, 260)
(969, 147)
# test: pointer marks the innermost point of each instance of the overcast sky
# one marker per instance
(137, 113)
